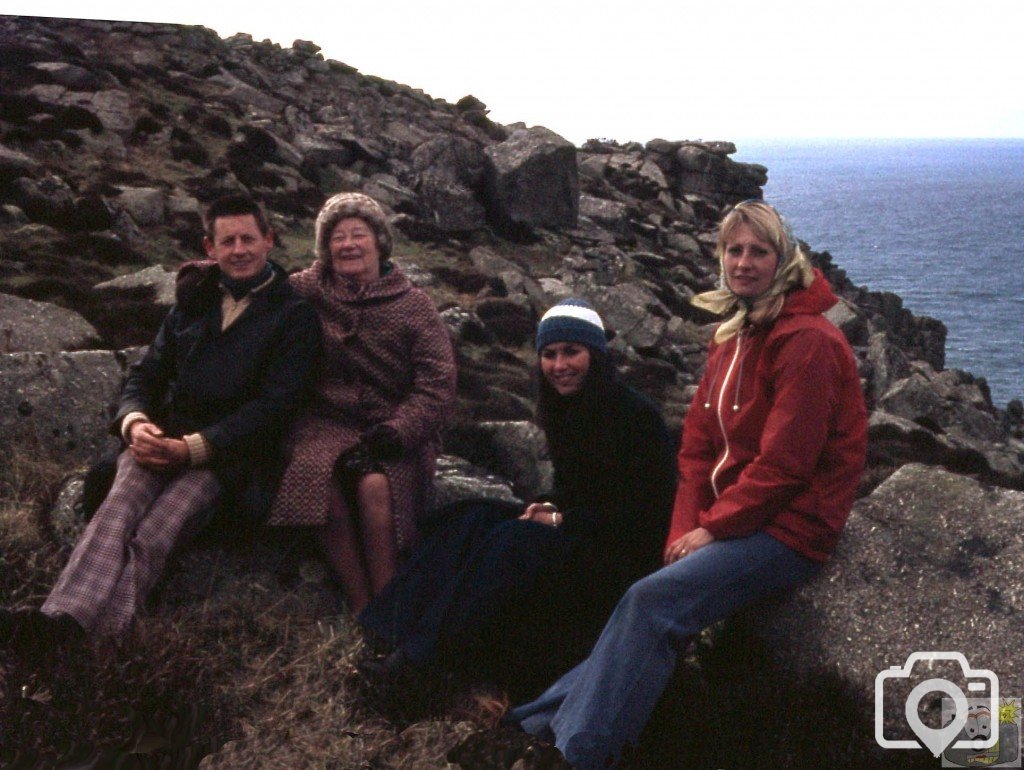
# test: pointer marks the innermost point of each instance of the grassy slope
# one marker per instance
(246, 662)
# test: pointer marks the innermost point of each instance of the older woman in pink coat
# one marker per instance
(361, 458)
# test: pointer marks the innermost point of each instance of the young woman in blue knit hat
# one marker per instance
(519, 594)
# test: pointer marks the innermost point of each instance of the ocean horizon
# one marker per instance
(940, 222)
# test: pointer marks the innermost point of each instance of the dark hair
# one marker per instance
(578, 422)
(235, 205)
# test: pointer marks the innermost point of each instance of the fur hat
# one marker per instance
(351, 204)
(572, 320)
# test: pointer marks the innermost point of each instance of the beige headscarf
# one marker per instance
(794, 269)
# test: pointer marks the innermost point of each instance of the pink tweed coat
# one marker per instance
(387, 359)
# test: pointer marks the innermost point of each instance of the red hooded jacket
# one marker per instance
(776, 436)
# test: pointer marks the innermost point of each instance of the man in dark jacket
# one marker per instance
(201, 417)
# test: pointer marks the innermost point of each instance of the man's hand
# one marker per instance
(151, 449)
(687, 544)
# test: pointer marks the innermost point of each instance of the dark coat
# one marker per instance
(238, 387)
(616, 494)
(522, 601)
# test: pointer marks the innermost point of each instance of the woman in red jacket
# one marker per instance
(772, 452)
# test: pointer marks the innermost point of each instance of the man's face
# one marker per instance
(238, 246)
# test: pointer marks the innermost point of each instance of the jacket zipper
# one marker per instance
(718, 412)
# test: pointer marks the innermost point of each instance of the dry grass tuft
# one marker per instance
(29, 480)
(29, 475)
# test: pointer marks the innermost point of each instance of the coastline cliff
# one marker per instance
(114, 134)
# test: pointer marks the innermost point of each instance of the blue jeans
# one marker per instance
(593, 711)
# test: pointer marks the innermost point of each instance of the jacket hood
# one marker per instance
(319, 280)
(193, 272)
(199, 278)
(814, 300)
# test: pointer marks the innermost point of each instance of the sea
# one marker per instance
(938, 222)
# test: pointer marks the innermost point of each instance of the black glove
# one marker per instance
(382, 442)
(355, 462)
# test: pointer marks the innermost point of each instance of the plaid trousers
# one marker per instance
(123, 550)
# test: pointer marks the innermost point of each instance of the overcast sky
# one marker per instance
(639, 69)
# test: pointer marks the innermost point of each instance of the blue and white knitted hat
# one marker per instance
(572, 320)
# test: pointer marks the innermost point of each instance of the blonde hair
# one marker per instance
(793, 269)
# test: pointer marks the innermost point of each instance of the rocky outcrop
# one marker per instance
(927, 563)
(451, 174)
(15, 165)
(918, 337)
(945, 418)
(512, 449)
(67, 518)
(705, 169)
(101, 181)
(533, 180)
(157, 279)
(29, 325)
(61, 402)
